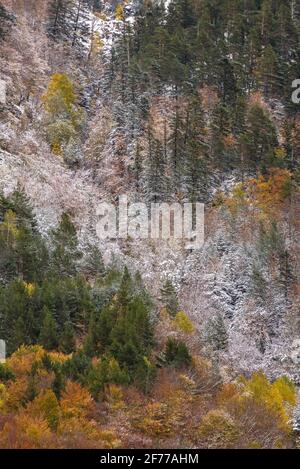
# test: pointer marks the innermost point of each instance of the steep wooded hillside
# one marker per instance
(163, 101)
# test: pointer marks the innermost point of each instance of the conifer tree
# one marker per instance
(156, 167)
(65, 247)
(58, 23)
(6, 20)
(196, 171)
(177, 354)
(67, 338)
(216, 334)
(169, 298)
(268, 71)
(260, 137)
(48, 333)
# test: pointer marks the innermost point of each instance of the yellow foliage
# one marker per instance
(280, 153)
(97, 44)
(45, 405)
(101, 16)
(188, 383)
(3, 395)
(56, 148)
(60, 96)
(25, 431)
(218, 430)
(80, 429)
(279, 397)
(36, 429)
(120, 15)
(266, 194)
(29, 288)
(9, 227)
(21, 361)
(230, 141)
(156, 421)
(183, 323)
(114, 397)
(58, 357)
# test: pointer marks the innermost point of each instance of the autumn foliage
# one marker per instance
(250, 412)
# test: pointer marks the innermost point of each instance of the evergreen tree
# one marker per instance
(286, 274)
(216, 334)
(49, 333)
(67, 338)
(268, 71)
(169, 298)
(80, 23)
(93, 264)
(260, 138)
(156, 168)
(177, 146)
(65, 253)
(196, 152)
(6, 20)
(58, 19)
(177, 354)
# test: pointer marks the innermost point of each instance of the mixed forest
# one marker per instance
(141, 343)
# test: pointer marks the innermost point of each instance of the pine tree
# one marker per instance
(93, 264)
(80, 32)
(19, 335)
(177, 145)
(67, 341)
(65, 247)
(260, 138)
(219, 129)
(216, 334)
(58, 19)
(48, 334)
(6, 20)
(227, 82)
(196, 171)
(156, 167)
(177, 354)
(268, 71)
(286, 274)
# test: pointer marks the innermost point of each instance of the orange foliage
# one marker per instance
(76, 401)
(264, 195)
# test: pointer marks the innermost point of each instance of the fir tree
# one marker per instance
(177, 354)
(156, 167)
(216, 334)
(196, 152)
(58, 19)
(6, 20)
(65, 253)
(48, 333)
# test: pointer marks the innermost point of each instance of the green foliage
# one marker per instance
(6, 20)
(177, 354)
(5, 373)
(105, 372)
(260, 137)
(48, 334)
(64, 118)
(22, 249)
(65, 247)
(169, 298)
(216, 333)
(123, 329)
